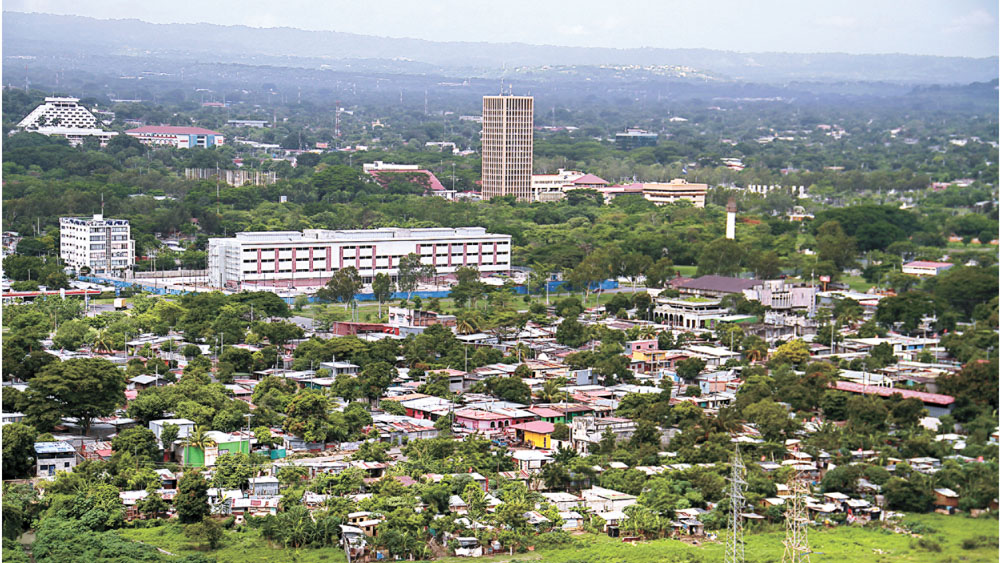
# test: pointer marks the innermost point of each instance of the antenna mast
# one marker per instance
(796, 523)
(734, 544)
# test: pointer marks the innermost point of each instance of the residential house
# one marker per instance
(52, 457)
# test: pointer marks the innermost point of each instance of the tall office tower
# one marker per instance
(507, 144)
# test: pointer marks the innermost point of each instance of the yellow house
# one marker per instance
(537, 433)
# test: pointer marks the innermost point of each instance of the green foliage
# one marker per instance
(191, 501)
(82, 388)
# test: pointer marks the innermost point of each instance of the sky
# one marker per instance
(925, 27)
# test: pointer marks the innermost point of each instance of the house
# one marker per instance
(225, 443)
(255, 506)
(537, 434)
(184, 427)
(562, 501)
(456, 505)
(586, 432)
(945, 500)
(51, 457)
(925, 268)
(600, 499)
(571, 520)
(530, 460)
(548, 415)
(264, 486)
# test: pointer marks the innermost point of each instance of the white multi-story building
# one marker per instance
(105, 246)
(65, 117)
(507, 146)
(311, 257)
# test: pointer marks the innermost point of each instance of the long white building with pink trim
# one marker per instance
(311, 257)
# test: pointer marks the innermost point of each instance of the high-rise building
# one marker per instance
(105, 246)
(507, 145)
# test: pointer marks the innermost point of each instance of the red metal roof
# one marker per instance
(589, 179)
(172, 130)
(932, 398)
(545, 412)
(536, 426)
(432, 180)
(51, 292)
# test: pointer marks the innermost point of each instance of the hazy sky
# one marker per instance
(931, 27)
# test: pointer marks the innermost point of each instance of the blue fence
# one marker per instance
(119, 284)
(553, 287)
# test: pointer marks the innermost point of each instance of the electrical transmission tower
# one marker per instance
(734, 545)
(796, 523)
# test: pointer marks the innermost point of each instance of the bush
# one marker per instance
(978, 542)
(929, 545)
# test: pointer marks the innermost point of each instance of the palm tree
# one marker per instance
(522, 350)
(103, 342)
(198, 438)
(468, 322)
(550, 392)
(646, 332)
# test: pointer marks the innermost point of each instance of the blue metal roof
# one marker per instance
(53, 448)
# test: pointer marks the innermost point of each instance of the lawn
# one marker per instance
(941, 540)
(857, 283)
(236, 547)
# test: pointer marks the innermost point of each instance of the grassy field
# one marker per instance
(943, 538)
(857, 283)
(242, 547)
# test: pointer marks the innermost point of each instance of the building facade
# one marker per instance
(104, 246)
(507, 146)
(177, 137)
(676, 190)
(310, 258)
(65, 117)
(635, 138)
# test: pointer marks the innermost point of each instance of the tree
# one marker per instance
(689, 368)
(410, 270)
(18, 451)
(509, 389)
(374, 379)
(665, 340)
(233, 471)
(660, 272)
(307, 416)
(83, 388)
(279, 333)
(723, 257)
(138, 441)
(191, 501)
(169, 434)
(771, 419)
(72, 334)
(382, 287)
(207, 531)
(342, 287)
(571, 333)
(592, 270)
(795, 352)
(153, 505)
(833, 245)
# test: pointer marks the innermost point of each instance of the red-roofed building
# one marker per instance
(925, 268)
(177, 137)
(936, 403)
(422, 178)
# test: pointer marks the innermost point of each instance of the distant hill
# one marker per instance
(44, 34)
